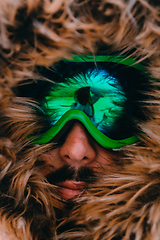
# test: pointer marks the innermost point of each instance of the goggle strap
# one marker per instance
(129, 61)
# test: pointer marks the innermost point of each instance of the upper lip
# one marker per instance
(71, 184)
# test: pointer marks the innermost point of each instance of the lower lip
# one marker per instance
(67, 193)
(69, 190)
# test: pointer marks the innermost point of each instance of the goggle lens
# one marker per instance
(96, 97)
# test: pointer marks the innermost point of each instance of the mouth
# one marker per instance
(70, 189)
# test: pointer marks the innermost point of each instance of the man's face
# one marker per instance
(103, 100)
(79, 151)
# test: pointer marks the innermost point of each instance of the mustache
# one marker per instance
(67, 172)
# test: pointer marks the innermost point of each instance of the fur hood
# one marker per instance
(123, 204)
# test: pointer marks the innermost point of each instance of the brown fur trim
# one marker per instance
(42, 32)
(123, 205)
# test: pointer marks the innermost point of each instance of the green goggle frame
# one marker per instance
(103, 140)
(79, 115)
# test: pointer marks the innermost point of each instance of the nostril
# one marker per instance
(77, 146)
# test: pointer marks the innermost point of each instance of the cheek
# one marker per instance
(51, 161)
(105, 159)
(46, 170)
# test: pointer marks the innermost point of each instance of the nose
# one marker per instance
(77, 149)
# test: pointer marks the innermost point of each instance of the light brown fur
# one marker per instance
(123, 202)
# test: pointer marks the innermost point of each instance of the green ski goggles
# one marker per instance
(95, 98)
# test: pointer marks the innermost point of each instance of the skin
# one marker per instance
(79, 149)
